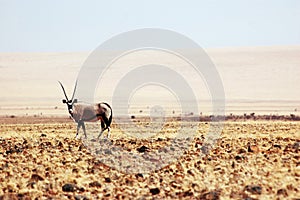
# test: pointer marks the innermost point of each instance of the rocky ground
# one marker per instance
(41, 159)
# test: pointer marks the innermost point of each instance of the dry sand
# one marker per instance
(264, 80)
(39, 158)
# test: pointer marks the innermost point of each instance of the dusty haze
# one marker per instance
(263, 80)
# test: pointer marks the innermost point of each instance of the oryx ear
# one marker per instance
(75, 101)
(64, 101)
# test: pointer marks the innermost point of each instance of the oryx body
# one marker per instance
(83, 112)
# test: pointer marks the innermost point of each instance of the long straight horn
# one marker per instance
(63, 90)
(74, 91)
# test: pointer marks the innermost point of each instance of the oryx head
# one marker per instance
(67, 101)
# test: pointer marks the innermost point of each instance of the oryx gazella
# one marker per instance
(83, 112)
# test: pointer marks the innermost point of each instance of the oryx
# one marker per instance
(83, 112)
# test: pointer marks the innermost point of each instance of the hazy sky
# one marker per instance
(68, 25)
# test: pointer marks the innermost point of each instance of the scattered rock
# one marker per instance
(282, 192)
(14, 150)
(69, 187)
(24, 196)
(237, 157)
(31, 184)
(81, 147)
(142, 149)
(9, 196)
(43, 135)
(240, 151)
(108, 151)
(249, 198)
(60, 144)
(277, 146)
(188, 193)
(296, 145)
(107, 180)
(212, 195)
(240, 195)
(254, 189)
(36, 177)
(80, 197)
(235, 153)
(95, 184)
(205, 149)
(81, 189)
(233, 164)
(253, 148)
(139, 175)
(154, 191)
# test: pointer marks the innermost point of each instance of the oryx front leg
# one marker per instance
(78, 128)
(79, 124)
(84, 131)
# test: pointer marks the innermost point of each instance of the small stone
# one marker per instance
(188, 193)
(277, 146)
(107, 180)
(254, 189)
(282, 192)
(9, 151)
(95, 184)
(142, 149)
(36, 177)
(154, 191)
(240, 151)
(253, 148)
(213, 195)
(81, 147)
(43, 135)
(296, 145)
(69, 187)
(80, 197)
(60, 144)
(238, 157)
(139, 175)
(31, 185)
(233, 164)
(205, 149)
(9, 196)
(81, 189)
(107, 151)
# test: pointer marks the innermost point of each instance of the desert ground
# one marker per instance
(256, 156)
(252, 159)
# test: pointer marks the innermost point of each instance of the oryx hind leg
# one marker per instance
(108, 134)
(102, 129)
(100, 133)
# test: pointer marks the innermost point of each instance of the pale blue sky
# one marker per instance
(68, 25)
